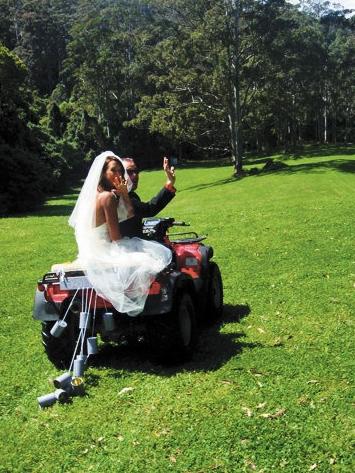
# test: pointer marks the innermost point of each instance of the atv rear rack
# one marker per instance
(193, 238)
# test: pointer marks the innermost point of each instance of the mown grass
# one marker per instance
(269, 388)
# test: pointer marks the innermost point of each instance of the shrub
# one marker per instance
(22, 180)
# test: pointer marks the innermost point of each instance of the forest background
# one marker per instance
(197, 79)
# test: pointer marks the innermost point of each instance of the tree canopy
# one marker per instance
(195, 78)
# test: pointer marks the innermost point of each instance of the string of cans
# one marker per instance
(71, 382)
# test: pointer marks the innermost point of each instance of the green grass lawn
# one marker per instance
(269, 388)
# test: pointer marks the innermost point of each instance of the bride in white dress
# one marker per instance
(121, 270)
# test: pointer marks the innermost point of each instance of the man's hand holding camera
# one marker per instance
(170, 174)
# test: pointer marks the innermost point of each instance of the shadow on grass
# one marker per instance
(281, 168)
(213, 351)
(253, 157)
(324, 150)
(205, 164)
(54, 211)
(301, 152)
(52, 207)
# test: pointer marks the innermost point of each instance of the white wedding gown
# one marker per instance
(122, 271)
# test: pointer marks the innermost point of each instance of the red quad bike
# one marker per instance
(188, 291)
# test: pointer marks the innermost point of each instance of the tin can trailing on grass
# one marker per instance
(63, 381)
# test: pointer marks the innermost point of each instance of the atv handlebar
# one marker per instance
(180, 224)
(156, 228)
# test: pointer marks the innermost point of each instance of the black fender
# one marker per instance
(44, 310)
(206, 254)
(162, 303)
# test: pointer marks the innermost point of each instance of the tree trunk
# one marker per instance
(317, 134)
(347, 125)
(234, 115)
(334, 128)
(325, 117)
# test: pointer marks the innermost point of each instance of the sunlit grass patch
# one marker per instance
(269, 388)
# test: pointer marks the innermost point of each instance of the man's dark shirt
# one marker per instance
(133, 226)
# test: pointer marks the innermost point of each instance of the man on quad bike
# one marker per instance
(133, 226)
(186, 292)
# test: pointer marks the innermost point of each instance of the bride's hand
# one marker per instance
(121, 190)
(120, 187)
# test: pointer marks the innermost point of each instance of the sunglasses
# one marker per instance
(132, 171)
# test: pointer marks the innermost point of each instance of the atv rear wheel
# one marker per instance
(60, 350)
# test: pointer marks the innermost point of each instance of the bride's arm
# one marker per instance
(109, 206)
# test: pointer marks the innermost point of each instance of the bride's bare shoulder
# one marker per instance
(106, 198)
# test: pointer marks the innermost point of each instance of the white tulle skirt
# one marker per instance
(122, 272)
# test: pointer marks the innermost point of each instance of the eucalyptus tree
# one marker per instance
(293, 58)
(338, 79)
(184, 57)
(233, 45)
(202, 74)
(38, 32)
(229, 72)
(101, 67)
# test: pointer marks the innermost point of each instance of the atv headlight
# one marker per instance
(190, 261)
(164, 294)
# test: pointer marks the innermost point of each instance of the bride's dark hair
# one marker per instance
(104, 184)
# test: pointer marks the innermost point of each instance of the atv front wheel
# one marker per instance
(185, 321)
(214, 296)
(174, 335)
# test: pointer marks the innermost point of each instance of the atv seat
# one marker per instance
(75, 265)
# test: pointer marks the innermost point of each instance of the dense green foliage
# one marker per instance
(269, 389)
(193, 78)
(20, 178)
